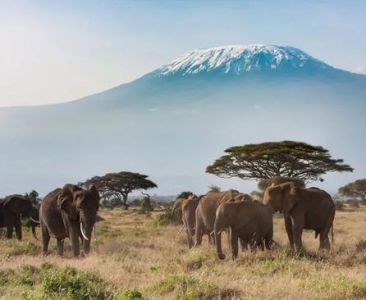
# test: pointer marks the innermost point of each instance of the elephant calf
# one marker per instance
(251, 221)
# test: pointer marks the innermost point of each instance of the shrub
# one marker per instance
(69, 283)
(130, 294)
(361, 245)
(167, 218)
(339, 205)
(185, 287)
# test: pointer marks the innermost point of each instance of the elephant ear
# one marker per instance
(65, 203)
(290, 198)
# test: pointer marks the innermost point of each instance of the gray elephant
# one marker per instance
(206, 211)
(302, 208)
(250, 221)
(12, 209)
(69, 212)
(177, 207)
(189, 217)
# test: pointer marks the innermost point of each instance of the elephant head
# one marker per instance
(65, 200)
(177, 207)
(87, 205)
(282, 197)
(18, 205)
(80, 205)
(226, 215)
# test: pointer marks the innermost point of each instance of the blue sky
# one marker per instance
(55, 51)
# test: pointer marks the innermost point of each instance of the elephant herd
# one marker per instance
(251, 222)
(67, 212)
(70, 212)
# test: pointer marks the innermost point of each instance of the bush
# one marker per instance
(69, 283)
(168, 218)
(339, 205)
(130, 294)
(186, 287)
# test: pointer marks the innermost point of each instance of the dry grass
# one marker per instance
(135, 254)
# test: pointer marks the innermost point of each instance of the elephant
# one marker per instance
(206, 210)
(69, 212)
(189, 217)
(303, 208)
(177, 207)
(12, 209)
(251, 221)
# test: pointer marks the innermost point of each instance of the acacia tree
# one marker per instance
(277, 159)
(356, 189)
(120, 185)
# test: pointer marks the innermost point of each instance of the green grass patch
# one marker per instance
(130, 294)
(188, 288)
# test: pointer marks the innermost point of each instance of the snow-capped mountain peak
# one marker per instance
(240, 59)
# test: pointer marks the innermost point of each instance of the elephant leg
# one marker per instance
(189, 238)
(234, 244)
(60, 246)
(9, 229)
(243, 244)
(288, 226)
(261, 244)
(74, 238)
(324, 241)
(199, 232)
(298, 225)
(18, 228)
(45, 239)
(211, 239)
(324, 234)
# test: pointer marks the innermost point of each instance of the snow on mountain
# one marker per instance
(239, 60)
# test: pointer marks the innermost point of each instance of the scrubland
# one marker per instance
(140, 257)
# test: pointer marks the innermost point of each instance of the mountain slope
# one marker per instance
(174, 121)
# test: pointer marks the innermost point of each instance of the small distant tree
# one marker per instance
(356, 189)
(184, 195)
(33, 196)
(214, 188)
(277, 159)
(120, 185)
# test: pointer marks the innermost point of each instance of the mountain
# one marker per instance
(241, 60)
(174, 121)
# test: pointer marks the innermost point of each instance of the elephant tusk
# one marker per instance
(35, 221)
(82, 232)
(95, 235)
(213, 232)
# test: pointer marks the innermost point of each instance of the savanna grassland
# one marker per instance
(140, 257)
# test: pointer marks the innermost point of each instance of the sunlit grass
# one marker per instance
(139, 258)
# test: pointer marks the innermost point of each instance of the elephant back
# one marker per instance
(209, 203)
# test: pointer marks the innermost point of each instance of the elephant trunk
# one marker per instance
(271, 208)
(86, 228)
(217, 235)
(34, 231)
